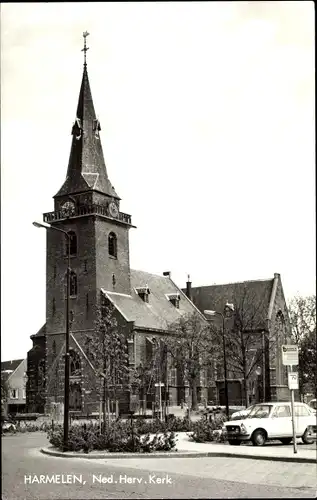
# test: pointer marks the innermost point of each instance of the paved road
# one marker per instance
(142, 478)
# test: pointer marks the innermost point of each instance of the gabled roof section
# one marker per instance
(40, 333)
(252, 297)
(86, 168)
(159, 312)
(10, 365)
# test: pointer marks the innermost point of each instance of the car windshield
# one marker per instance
(313, 404)
(260, 411)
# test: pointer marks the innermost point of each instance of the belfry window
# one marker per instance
(112, 245)
(71, 240)
(73, 284)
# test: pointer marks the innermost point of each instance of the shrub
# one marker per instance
(117, 437)
(32, 427)
(173, 424)
(204, 430)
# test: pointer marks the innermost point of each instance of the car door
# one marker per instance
(281, 422)
(302, 418)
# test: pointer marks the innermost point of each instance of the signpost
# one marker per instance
(293, 381)
(290, 355)
(290, 358)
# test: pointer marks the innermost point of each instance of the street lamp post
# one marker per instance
(66, 381)
(213, 313)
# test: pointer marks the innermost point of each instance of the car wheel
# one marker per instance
(306, 438)
(286, 440)
(234, 442)
(258, 438)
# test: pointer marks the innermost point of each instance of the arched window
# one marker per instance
(112, 245)
(74, 363)
(73, 284)
(71, 240)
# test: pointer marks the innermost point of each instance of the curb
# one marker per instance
(175, 454)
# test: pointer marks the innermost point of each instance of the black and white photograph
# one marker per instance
(158, 250)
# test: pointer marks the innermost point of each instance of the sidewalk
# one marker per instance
(189, 449)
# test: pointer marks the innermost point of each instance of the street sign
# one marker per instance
(289, 355)
(293, 381)
(159, 384)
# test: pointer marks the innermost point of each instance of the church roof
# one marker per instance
(159, 312)
(86, 168)
(245, 295)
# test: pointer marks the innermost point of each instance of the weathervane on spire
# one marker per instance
(85, 34)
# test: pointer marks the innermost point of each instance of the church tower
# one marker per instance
(88, 208)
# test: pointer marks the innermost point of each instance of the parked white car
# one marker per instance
(272, 421)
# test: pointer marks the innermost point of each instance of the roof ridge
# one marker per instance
(234, 283)
(151, 274)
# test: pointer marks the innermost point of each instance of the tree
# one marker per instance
(190, 348)
(107, 350)
(246, 336)
(5, 389)
(302, 312)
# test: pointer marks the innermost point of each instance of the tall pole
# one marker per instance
(293, 416)
(66, 382)
(225, 365)
(263, 366)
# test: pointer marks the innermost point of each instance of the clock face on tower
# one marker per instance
(68, 208)
(113, 210)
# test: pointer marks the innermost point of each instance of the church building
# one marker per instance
(87, 207)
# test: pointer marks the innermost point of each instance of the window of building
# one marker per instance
(24, 394)
(87, 304)
(174, 298)
(131, 351)
(53, 306)
(85, 266)
(143, 292)
(14, 394)
(172, 377)
(73, 284)
(203, 378)
(71, 240)
(74, 363)
(112, 245)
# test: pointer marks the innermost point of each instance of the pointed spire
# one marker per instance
(86, 168)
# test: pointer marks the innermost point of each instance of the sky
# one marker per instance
(208, 132)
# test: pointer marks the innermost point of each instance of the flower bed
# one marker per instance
(117, 437)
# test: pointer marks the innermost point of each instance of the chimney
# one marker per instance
(189, 288)
(167, 273)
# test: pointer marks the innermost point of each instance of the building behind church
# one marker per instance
(87, 207)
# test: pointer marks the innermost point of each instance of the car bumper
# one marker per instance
(237, 436)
